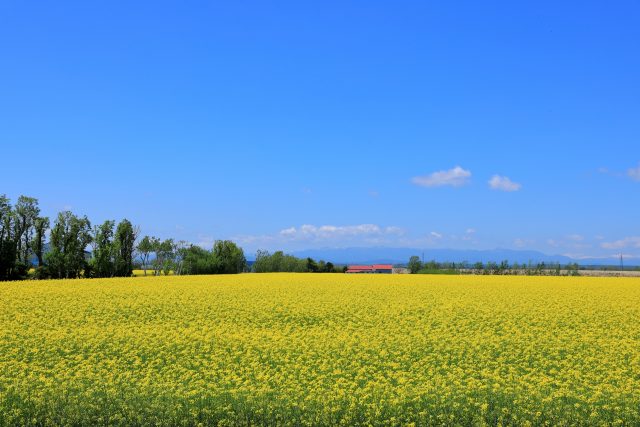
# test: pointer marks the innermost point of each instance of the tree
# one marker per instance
(180, 253)
(262, 264)
(414, 264)
(7, 241)
(70, 237)
(312, 267)
(41, 226)
(504, 266)
(164, 251)
(26, 213)
(124, 244)
(478, 267)
(280, 262)
(229, 257)
(103, 250)
(197, 260)
(145, 248)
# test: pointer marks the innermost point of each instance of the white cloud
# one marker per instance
(394, 230)
(503, 183)
(634, 173)
(572, 241)
(310, 232)
(455, 177)
(288, 231)
(436, 235)
(627, 242)
(469, 234)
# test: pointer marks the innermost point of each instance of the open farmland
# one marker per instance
(327, 349)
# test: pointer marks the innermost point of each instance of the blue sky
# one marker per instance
(295, 125)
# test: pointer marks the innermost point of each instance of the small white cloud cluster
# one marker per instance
(503, 183)
(634, 173)
(458, 177)
(627, 242)
(455, 177)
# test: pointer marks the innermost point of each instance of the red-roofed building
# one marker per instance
(371, 269)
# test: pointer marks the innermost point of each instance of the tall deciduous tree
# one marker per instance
(26, 213)
(124, 245)
(229, 257)
(414, 264)
(41, 226)
(70, 237)
(145, 248)
(7, 240)
(102, 262)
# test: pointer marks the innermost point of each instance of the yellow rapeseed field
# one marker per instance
(321, 349)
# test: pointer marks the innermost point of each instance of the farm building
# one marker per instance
(371, 269)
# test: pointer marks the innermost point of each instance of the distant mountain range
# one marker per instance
(401, 256)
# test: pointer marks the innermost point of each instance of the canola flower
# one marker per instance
(321, 349)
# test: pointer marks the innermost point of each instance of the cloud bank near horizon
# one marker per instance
(309, 236)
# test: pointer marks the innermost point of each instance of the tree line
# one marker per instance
(416, 266)
(64, 256)
(167, 256)
(280, 262)
(116, 249)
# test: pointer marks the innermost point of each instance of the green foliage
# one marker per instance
(280, 262)
(123, 248)
(26, 212)
(21, 236)
(225, 258)
(145, 248)
(164, 251)
(197, 260)
(41, 226)
(8, 247)
(102, 263)
(229, 257)
(113, 251)
(70, 237)
(312, 266)
(22, 239)
(414, 265)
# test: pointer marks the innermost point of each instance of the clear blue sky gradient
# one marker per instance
(203, 120)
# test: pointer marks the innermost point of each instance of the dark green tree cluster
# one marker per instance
(23, 247)
(164, 256)
(415, 266)
(280, 262)
(113, 250)
(491, 268)
(22, 232)
(68, 257)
